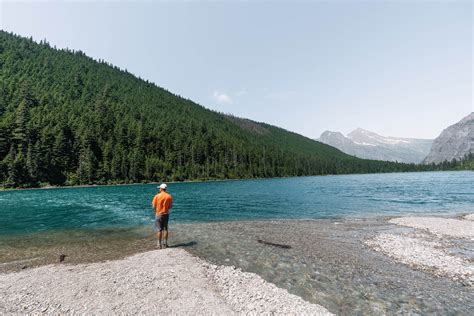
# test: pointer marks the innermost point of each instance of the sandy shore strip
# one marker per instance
(160, 281)
(439, 226)
(429, 252)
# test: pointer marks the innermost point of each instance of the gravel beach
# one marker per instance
(428, 246)
(427, 255)
(439, 226)
(469, 217)
(330, 263)
(160, 281)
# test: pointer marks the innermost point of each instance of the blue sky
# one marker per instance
(400, 68)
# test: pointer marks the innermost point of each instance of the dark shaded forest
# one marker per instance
(67, 119)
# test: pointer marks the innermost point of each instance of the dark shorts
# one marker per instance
(161, 222)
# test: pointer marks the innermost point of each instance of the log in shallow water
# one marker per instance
(273, 244)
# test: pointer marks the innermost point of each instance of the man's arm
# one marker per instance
(154, 202)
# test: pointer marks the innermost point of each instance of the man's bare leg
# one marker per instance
(165, 236)
(158, 239)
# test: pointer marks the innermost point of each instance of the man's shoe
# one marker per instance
(165, 246)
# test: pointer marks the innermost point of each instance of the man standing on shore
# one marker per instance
(162, 202)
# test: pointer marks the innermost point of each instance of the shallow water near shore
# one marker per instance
(323, 221)
(329, 264)
(324, 261)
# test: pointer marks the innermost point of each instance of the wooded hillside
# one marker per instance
(67, 119)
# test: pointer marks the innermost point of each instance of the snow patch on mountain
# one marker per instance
(369, 145)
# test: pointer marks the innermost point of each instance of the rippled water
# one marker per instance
(32, 211)
(323, 219)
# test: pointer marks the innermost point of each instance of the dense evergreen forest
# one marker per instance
(66, 119)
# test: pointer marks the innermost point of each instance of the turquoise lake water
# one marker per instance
(33, 211)
(325, 223)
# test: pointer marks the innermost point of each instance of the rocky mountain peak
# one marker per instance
(455, 142)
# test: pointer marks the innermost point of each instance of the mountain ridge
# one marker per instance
(455, 142)
(370, 145)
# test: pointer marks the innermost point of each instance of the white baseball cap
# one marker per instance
(163, 186)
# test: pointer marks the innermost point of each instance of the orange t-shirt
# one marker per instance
(162, 203)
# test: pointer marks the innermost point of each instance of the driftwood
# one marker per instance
(273, 244)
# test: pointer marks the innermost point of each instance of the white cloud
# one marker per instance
(222, 98)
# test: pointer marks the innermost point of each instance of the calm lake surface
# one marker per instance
(353, 196)
(323, 220)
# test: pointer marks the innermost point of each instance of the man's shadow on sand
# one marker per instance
(185, 244)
